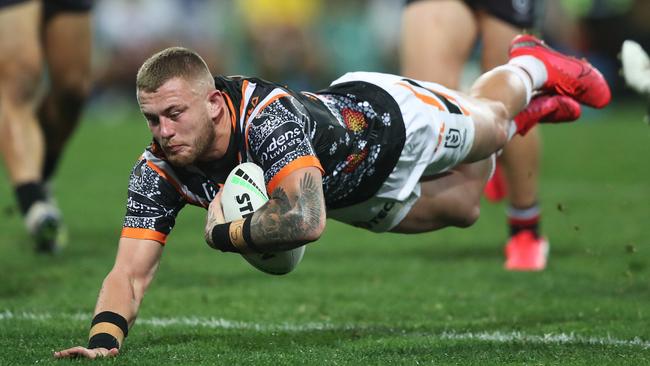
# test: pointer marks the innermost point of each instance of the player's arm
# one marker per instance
(293, 216)
(119, 298)
(295, 212)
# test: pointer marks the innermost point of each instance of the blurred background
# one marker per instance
(307, 43)
(381, 299)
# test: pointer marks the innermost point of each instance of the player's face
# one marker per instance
(181, 119)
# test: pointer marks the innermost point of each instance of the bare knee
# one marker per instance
(466, 217)
(426, 216)
(62, 108)
(20, 79)
(72, 89)
(463, 215)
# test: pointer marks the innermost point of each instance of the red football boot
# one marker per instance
(547, 109)
(525, 252)
(566, 75)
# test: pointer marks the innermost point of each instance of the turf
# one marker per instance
(358, 298)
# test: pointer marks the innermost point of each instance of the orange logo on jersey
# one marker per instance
(253, 104)
(354, 160)
(355, 121)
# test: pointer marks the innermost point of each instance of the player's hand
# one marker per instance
(215, 217)
(86, 353)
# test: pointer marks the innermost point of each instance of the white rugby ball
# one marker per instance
(243, 193)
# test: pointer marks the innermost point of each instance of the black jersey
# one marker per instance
(353, 132)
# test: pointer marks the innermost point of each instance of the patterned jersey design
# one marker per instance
(152, 202)
(364, 144)
(279, 136)
(353, 132)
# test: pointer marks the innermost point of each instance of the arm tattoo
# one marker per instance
(285, 219)
(211, 222)
(311, 201)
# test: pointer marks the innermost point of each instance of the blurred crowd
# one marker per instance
(307, 43)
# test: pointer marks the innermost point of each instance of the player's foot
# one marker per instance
(525, 252)
(45, 225)
(547, 109)
(566, 75)
(496, 188)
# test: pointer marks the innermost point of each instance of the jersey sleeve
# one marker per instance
(152, 204)
(278, 137)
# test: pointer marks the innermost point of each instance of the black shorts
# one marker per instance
(52, 7)
(519, 13)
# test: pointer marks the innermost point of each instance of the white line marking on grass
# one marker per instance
(549, 338)
(220, 323)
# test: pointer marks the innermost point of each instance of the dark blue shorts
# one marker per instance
(519, 13)
(52, 7)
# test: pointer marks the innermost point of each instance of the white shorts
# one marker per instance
(439, 135)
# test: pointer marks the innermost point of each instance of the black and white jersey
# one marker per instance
(352, 132)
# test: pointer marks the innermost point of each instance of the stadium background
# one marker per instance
(358, 298)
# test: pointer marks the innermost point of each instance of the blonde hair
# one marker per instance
(170, 63)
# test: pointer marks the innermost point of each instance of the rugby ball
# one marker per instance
(243, 193)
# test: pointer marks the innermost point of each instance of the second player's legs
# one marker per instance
(432, 47)
(20, 72)
(67, 45)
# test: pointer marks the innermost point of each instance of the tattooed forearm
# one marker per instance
(267, 224)
(285, 221)
(210, 223)
(310, 201)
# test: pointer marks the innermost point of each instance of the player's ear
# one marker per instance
(216, 102)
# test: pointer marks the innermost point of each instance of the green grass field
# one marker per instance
(357, 298)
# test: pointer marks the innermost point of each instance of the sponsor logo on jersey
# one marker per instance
(453, 138)
(382, 214)
(286, 136)
(135, 205)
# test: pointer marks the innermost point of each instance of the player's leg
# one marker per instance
(520, 161)
(20, 72)
(485, 126)
(451, 199)
(22, 140)
(494, 100)
(482, 123)
(67, 46)
(432, 47)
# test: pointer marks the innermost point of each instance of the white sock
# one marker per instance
(524, 213)
(523, 76)
(534, 68)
